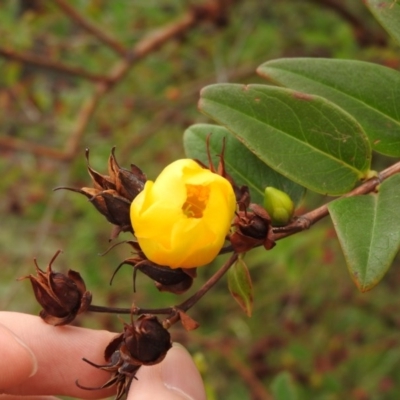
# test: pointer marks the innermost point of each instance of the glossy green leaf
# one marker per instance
(369, 92)
(240, 163)
(240, 285)
(304, 137)
(368, 231)
(387, 12)
(283, 388)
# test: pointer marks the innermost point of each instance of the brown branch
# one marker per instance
(305, 221)
(212, 11)
(89, 26)
(151, 43)
(146, 46)
(170, 110)
(191, 301)
(82, 120)
(53, 65)
(10, 143)
(173, 311)
(133, 311)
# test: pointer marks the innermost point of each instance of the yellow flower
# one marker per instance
(181, 220)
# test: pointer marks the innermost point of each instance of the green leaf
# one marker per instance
(367, 91)
(387, 12)
(368, 231)
(305, 138)
(282, 387)
(240, 285)
(240, 163)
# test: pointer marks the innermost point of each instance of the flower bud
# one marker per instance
(61, 296)
(182, 219)
(279, 206)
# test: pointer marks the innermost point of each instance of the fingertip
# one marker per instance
(17, 362)
(59, 352)
(175, 378)
(180, 373)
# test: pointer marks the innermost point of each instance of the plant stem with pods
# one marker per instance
(301, 223)
(172, 311)
(305, 221)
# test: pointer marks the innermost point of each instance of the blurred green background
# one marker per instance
(311, 334)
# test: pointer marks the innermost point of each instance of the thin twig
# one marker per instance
(53, 65)
(191, 301)
(174, 315)
(89, 26)
(10, 143)
(144, 47)
(150, 43)
(301, 223)
(82, 120)
(133, 310)
(305, 221)
(170, 110)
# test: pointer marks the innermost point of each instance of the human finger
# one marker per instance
(12, 397)
(175, 378)
(17, 362)
(59, 352)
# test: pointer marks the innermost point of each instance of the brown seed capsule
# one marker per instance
(61, 296)
(112, 194)
(166, 279)
(143, 342)
(252, 228)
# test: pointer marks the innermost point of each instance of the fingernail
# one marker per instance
(12, 336)
(180, 374)
(29, 351)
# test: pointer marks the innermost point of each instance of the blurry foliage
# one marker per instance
(308, 319)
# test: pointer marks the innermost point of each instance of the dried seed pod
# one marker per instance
(62, 296)
(143, 342)
(166, 279)
(112, 194)
(252, 228)
(129, 183)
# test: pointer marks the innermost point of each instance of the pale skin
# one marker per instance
(42, 361)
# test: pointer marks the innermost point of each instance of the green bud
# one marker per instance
(279, 206)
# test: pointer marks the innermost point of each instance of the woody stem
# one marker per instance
(188, 303)
(305, 221)
(134, 310)
(191, 301)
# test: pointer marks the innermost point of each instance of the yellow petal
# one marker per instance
(182, 219)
